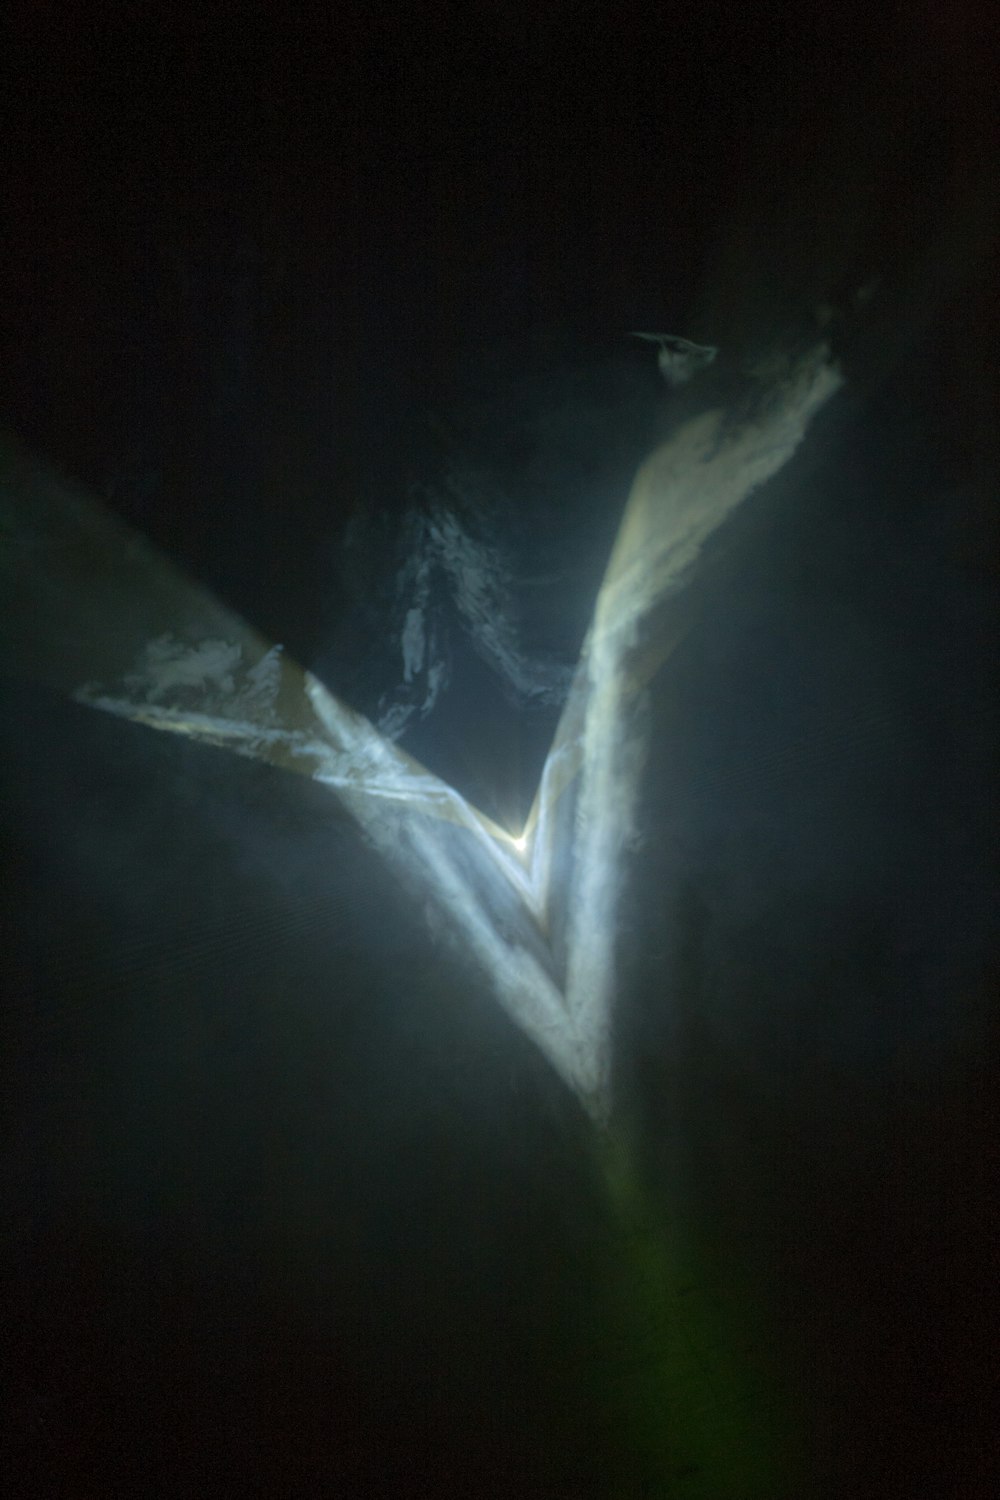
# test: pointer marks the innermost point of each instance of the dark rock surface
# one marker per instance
(289, 1208)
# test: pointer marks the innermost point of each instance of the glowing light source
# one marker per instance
(97, 600)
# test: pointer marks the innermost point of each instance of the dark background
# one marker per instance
(289, 1208)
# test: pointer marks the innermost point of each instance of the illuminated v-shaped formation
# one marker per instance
(86, 598)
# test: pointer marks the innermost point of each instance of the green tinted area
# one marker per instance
(690, 1382)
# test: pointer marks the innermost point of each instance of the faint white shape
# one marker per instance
(679, 358)
(413, 643)
(485, 594)
(167, 666)
(262, 684)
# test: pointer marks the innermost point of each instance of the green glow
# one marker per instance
(700, 1414)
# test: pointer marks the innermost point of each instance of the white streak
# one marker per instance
(503, 891)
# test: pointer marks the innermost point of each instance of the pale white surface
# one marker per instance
(469, 867)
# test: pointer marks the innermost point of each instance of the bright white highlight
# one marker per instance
(537, 911)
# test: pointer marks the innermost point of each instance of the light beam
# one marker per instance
(82, 597)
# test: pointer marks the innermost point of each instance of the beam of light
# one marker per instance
(680, 497)
(87, 603)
